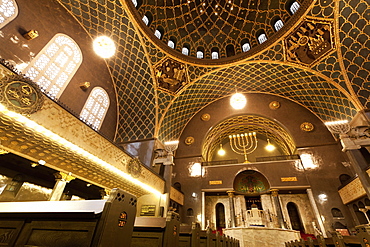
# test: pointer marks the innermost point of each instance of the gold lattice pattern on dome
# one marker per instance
(244, 124)
(137, 117)
(299, 85)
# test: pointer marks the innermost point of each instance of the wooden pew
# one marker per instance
(194, 237)
(95, 223)
(156, 231)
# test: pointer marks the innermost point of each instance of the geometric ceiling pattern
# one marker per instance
(334, 86)
(264, 128)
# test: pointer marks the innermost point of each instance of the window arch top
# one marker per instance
(246, 47)
(278, 25)
(8, 11)
(55, 65)
(262, 38)
(185, 51)
(95, 108)
(200, 54)
(146, 20)
(294, 7)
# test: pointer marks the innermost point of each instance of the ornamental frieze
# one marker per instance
(309, 42)
(171, 75)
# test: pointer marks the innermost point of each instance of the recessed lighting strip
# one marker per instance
(50, 135)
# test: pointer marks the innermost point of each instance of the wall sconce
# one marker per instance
(269, 147)
(221, 151)
(30, 35)
(85, 85)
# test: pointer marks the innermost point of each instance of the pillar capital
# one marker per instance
(274, 192)
(230, 193)
(66, 177)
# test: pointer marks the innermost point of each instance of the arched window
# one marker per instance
(185, 51)
(246, 47)
(214, 55)
(230, 50)
(335, 212)
(200, 54)
(135, 3)
(95, 108)
(55, 65)
(344, 178)
(294, 7)
(262, 38)
(146, 20)
(177, 186)
(158, 34)
(189, 212)
(8, 11)
(171, 44)
(278, 25)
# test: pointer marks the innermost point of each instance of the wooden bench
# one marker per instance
(156, 231)
(69, 223)
(194, 237)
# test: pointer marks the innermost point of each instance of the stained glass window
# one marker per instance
(55, 65)
(8, 11)
(95, 108)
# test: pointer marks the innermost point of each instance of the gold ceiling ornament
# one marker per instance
(171, 75)
(205, 117)
(189, 140)
(306, 126)
(20, 94)
(274, 105)
(2, 151)
(310, 41)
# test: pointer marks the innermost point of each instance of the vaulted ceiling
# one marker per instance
(319, 59)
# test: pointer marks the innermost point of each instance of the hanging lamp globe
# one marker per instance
(238, 101)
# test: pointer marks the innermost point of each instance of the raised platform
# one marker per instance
(262, 236)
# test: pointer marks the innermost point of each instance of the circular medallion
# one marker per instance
(20, 94)
(205, 117)
(134, 167)
(306, 126)
(189, 140)
(274, 105)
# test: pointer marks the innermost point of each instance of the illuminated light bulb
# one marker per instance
(104, 46)
(269, 147)
(238, 101)
(221, 151)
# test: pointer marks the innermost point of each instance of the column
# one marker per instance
(279, 213)
(232, 207)
(316, 212)
(351, 148)
(61, 179)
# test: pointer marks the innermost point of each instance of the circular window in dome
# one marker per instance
(251, 183)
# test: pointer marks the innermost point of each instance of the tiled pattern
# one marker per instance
(145, 112)
(212, 24)
(354, 24)
(297, 84)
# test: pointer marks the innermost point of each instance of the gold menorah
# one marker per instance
(243, 144)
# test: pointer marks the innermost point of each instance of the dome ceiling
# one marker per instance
(335, 85)
(221, 26)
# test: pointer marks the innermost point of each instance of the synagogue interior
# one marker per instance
(245, 119)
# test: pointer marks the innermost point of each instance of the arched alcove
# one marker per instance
(251, 183)
(220, 216)
(294, 216)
